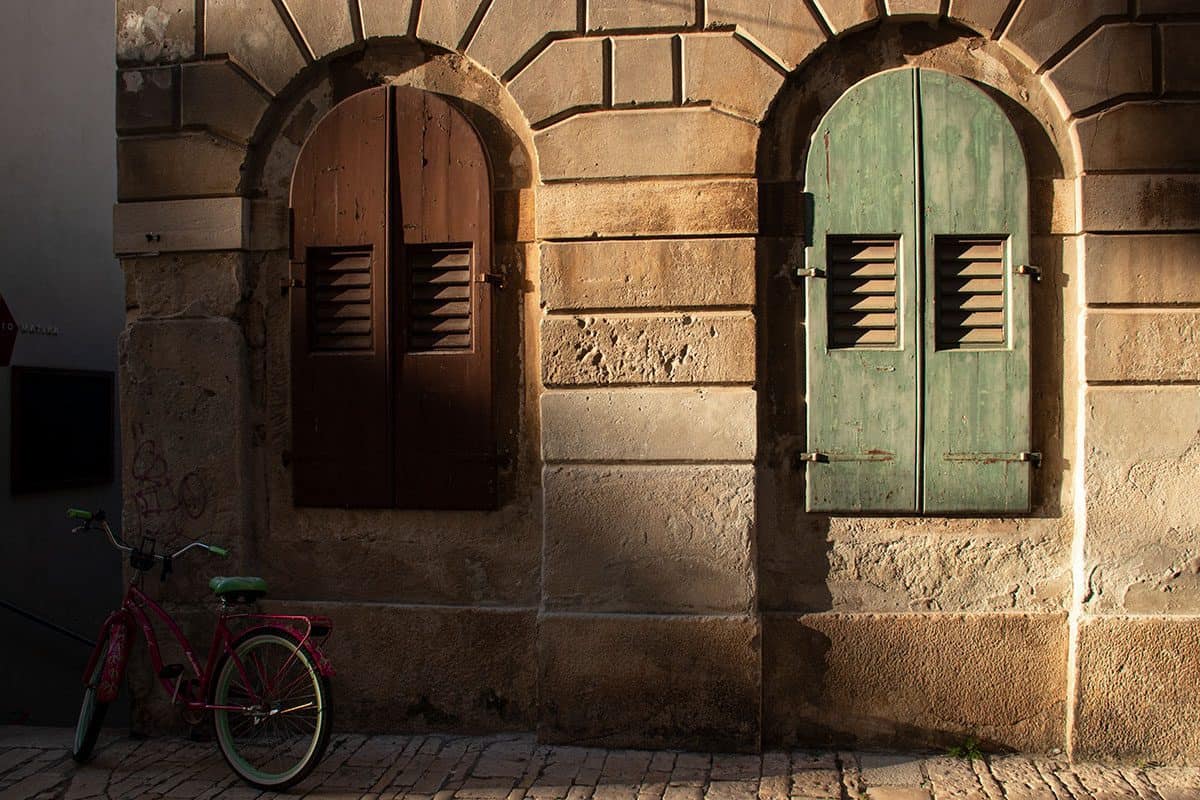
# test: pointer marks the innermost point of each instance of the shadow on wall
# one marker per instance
(834, 674)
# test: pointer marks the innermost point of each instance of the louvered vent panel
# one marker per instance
(862, 291)
(970, 292)
(340, 297)
(439, 298)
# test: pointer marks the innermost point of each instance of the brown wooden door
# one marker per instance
(391, 322)
(341, 402)
(444, 419)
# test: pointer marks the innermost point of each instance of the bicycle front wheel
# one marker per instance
(273, 720)
(91, 712)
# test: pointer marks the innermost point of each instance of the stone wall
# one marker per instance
(651, 577)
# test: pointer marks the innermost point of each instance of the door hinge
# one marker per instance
(801, 460)
(1025, 457)
(1031, 271)
(494, 278)
(810, 272)
(289, 283)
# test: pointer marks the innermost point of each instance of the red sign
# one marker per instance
(8, 333)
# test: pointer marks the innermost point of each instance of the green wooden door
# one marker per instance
(917, 326)
(976, 322)
(861, 312)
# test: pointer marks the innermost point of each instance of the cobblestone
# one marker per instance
(35, 763)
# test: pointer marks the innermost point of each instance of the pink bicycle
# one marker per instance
(267, 687)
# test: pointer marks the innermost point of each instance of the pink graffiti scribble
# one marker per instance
(161, 503)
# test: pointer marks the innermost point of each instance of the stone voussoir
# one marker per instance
(218, 96)
(568, 75)
(253, 34)
(787, 31)
(649, 539)
(658, 424)
(512, 28)
(627, 349)
(651, 142)
(1041, 28)
(324, 26)
(385, 17)
(721, 69)
(1114, 61)
(648, 273)
(845, 15)
(643, 70)
(979, 15)
(605, 15)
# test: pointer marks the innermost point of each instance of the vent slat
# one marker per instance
(439, 293)
(970, 300)
(862, 287)
(340, 299)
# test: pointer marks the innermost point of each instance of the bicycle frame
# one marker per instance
(119, 627)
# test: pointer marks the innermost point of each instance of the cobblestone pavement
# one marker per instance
(34, 763)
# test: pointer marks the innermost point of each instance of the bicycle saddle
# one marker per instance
(238, 589)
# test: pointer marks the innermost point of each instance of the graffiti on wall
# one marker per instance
(164, 502)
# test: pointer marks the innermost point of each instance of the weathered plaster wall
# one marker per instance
(652, 515)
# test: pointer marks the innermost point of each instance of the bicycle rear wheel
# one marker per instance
(281, 724)
(91, 712)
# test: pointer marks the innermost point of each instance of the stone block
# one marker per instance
(252, 33)
(680, 207)
(643, 70)
(568, 75)
(385, 17)
(323, 25)
(667, 142)
(664, 424)
(428, 685)
(1141, 202)
(721, 69)
(154, 31)
(445, 22)
(786, 30)
(1137, 690)
(1115, 60)
(1159, 345)
(913, 8)
(914, 680)
(1181, 57)
(177, 378)
(512, 28)
(146, 99)
(979, 15)
(179, 165)
(845, 15)
(649, 539)
(1041, 28)
(648, 273)
(896, 566)
(605, 15)
(643, 681)
(170, 226)
(184, 285)
(1141, 473)
(1149, 136)
(1163, 7)
(626, 349)
(218, 96)
(1154, 268)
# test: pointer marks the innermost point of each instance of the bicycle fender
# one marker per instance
(320, 660)
(119, 636)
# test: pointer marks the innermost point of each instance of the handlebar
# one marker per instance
(88, 517)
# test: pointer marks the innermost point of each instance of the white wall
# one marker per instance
(57, 186)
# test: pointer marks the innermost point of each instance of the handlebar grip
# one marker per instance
(79, 513)
(219, 551)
